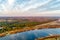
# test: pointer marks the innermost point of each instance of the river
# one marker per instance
(32, 35)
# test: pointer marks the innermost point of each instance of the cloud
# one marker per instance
(32, 7)
(10, 2)
(45, 13)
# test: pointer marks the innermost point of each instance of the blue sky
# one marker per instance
(29, 7)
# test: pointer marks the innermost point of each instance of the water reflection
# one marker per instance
(31, 35)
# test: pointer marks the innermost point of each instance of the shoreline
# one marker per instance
(49, 37)
(18, 31)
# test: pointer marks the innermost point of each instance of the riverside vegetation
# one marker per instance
(12, 26)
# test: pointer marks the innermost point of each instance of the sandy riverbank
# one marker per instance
(25, 29)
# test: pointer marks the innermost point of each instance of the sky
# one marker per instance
(29, 7)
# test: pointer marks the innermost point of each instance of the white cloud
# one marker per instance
(29, 8)
(44, 13)
(34, 5)
(10, 2)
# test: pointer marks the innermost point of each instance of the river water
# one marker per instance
(31, 35)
